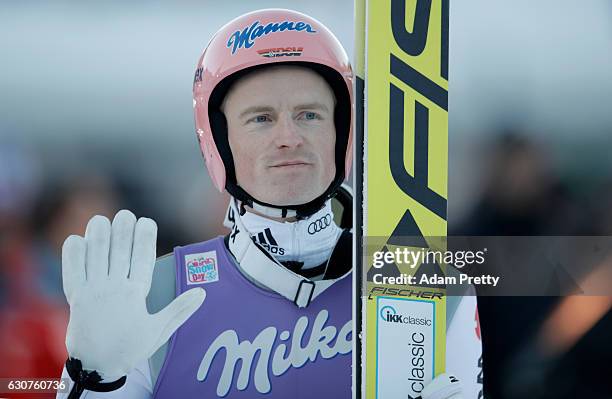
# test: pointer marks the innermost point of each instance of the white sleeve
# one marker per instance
(137, 386)
(464, 348)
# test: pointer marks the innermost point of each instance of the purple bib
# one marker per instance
(247, 342)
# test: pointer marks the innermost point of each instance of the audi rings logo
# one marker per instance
(319, 224)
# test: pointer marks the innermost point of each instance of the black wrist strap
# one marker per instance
(89, 380)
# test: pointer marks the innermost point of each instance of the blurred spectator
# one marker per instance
(522, 195)
(600, 208)
(64, 209)
(30, 327)
(19, 185)
(33, 313)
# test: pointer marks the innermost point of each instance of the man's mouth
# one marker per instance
(290, 164)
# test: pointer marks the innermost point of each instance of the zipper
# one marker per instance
(296, 242)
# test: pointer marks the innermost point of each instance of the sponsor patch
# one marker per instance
(319, 224)
(201, 268)
(266, 240)
(405, 340)
(281, 52)
(247, 37)
(198, 75)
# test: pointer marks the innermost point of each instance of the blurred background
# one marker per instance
(96, 116)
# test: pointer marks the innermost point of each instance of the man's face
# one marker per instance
(282, 135)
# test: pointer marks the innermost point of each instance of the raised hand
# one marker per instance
(107, 276)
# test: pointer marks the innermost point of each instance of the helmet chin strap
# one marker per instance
(273, 212)
(280, 211)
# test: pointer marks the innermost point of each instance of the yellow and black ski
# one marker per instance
(402, 126)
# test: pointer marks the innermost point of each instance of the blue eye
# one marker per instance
(310, 116)
(260, 118)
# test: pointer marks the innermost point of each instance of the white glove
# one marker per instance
(107, 277)
(444, 386)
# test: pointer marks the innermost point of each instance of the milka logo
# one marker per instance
(247, 37)
(271, 345)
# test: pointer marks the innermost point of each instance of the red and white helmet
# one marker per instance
(252, 41)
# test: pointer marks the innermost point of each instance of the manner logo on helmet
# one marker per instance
(319, 224)
(246, 38)
(281, 52)
(201, 268)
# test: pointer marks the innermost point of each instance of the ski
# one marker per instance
(402, 137)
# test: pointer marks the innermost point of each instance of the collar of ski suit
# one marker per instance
(256, 243)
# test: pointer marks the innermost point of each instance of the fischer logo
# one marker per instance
(377, 291)
(281, 52)
(320, 224)
(247, 37)
(390, 315)
(273, 352)
(201, 268)
(266, 240)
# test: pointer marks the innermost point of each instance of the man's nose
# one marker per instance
(287, 133)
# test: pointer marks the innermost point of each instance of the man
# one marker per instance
(273, 112)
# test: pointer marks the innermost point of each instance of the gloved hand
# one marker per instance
(107, 276)
(443, 386)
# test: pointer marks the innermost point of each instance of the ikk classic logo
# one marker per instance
(201, 268)
(247, 37)
(389, 314)
(405, 336)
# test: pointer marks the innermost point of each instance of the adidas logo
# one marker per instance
(266, 240)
